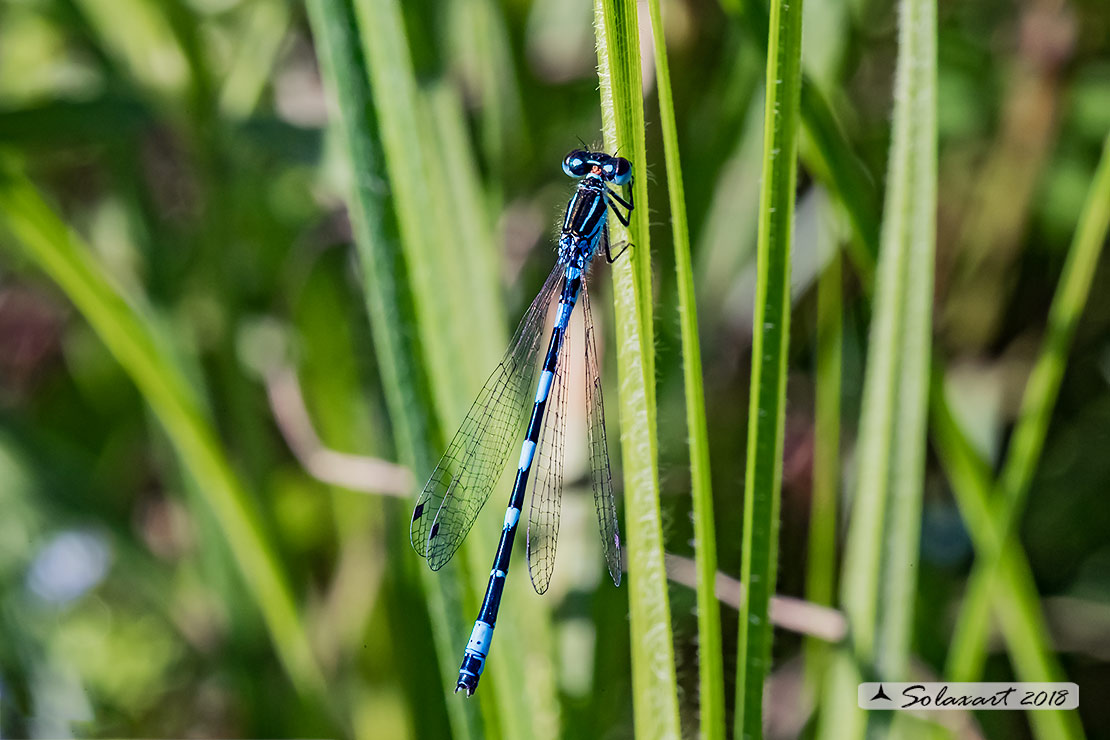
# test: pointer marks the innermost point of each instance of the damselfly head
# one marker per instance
(581, 162)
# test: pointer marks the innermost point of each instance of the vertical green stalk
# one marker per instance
(770, 339)
(388, 302)
(711, 680)
(420, 155)
(655, 696)
(879, 577)
(821, 573)
(892, 424)
(135, 341)
(826, 153)
(388, 305)
(969, 645)
(831, 159)
(398, 104)
(1023, 629)
(467, 252)
(622, 112)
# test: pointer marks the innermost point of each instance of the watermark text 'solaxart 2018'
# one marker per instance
(965, 696)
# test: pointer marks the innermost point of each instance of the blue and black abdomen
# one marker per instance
(472, 464)
(585, 213)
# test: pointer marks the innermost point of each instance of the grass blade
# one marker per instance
(884, 527)
(827, 154)
(1018, 604)
(264, 31)
(711, 679)
(134, 340)
(399, 106)
(1023, 629)
(831, 159)
(879, 578)
(824, 511)
(368, 209)
(1003, 572)
(388, 303)
(969, 646)
(655, 697)
(443, 257)
(771, 335)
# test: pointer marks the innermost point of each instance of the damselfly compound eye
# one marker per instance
(617, 170)
(577, 163)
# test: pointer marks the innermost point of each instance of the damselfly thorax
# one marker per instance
(584, 223)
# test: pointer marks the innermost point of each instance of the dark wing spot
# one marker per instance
(435, 528)
(417, 512)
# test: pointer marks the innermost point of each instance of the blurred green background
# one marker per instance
(185, 142)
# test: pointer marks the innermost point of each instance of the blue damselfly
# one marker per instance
(476, 457)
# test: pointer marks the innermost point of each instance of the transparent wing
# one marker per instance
(473, 462)
(547, 479)
(602, 477)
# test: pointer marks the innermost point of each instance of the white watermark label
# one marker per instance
(965, 696)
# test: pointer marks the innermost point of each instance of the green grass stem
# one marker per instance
(771, 335)
(892, 425)
(826, 152)
(388, 301)
(655, 700)
(1026, 636)
(264, 31)
(879, 576)
(829, 156)
(399, 106)
(711, 680)
(443, 250)
(824, 510)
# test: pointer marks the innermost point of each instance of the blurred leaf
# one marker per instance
(398, 103)
(137, 35)
(481, 57)
(34, 63)
(137, 344)
(1041, 391)
(880, 565)
(253, 63)
(1090, 100)
(1022, 624)
(387, 298)
(824, 510)
(65, 123)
